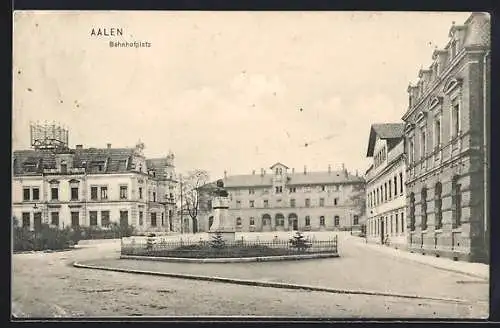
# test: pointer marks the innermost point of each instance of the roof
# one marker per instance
(115, 159)
(385, 131)
(278, 164)
(310, 178)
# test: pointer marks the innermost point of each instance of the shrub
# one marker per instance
(43, 239)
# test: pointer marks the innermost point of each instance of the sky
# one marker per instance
(224, 91)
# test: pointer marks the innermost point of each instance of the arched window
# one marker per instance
(412, 212)
(438, 204)
(423, 206)
(456, 202)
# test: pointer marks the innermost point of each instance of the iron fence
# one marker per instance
(157, 247)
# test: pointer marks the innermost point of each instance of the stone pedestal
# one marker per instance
(222, 224)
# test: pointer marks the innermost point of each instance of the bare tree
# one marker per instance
(189, 194)
(358, 198)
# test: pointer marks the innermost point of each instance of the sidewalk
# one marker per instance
(478, 270)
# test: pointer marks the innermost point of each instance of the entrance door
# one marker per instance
(382, 232)
(38, 221)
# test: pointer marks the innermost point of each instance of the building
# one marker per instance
(385, 185)
(63, 187)
(446, 129)
(284, 200)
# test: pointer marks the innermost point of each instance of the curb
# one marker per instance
(270, 284)
(231, 259)
(473, 275)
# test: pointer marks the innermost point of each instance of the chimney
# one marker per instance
(329, 169)
(305, 169)
(108, 145)
(253, 172)
(79, 146)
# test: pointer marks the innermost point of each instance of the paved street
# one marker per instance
(45, 284)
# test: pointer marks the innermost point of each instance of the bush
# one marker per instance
(43, 239)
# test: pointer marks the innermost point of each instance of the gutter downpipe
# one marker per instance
(486, 157)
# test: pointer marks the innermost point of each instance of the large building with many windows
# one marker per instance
(65, 187)
(283, 199)
(385, 186)
(446, 130)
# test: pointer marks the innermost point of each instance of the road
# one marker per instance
(47, 285)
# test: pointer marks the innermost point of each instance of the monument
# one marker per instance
(222, 224)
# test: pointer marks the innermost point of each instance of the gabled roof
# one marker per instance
(385, 131)
(278, 164)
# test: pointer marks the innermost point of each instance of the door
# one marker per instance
(382, 232)
(38, 221)
(295, 224)
(266, 224)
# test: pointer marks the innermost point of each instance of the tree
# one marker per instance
(358, 198)
(190, 195)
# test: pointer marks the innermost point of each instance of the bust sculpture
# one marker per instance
(220, 191)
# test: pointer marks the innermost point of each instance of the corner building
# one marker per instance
(285, 200)
(446, 134)
(93, 187)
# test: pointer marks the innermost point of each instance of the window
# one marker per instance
(26, 220)
(252, 203)
(162, 219)
(438, 206)
(105, 218)
(395, 185)
(321, 202)
(356, 220)
(308, 202)
(54, 218)
(457, 203)
(75, 219)
(252, 221)
(390, 189)
(153, 219)
(412, 212)
(26, 193)
(93, 193)
(280, 220)
(141, 218)
(323, 188)
(140, 192)
(74, 193)
(123, 192)
(401, 183)
(455, 118)
(423, 206)
(154, 197)
(397, 222)
(307, 189)
(423, 144)
(251, 191)
(411, 151)
(385, 191)
(238, 204)
(54, 193)
(321, 220)
(279, 189)
(390, 224)
(336, 201)
(36, 194)
(437, 133)
(378, 199)
(336, 220)
(266, 203)
(238, 221)
(308, 220)
(292, 202)
(104, 192)
(293, 189)
(93, 218)
(402, 222)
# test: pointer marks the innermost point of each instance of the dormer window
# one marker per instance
(64, 167)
